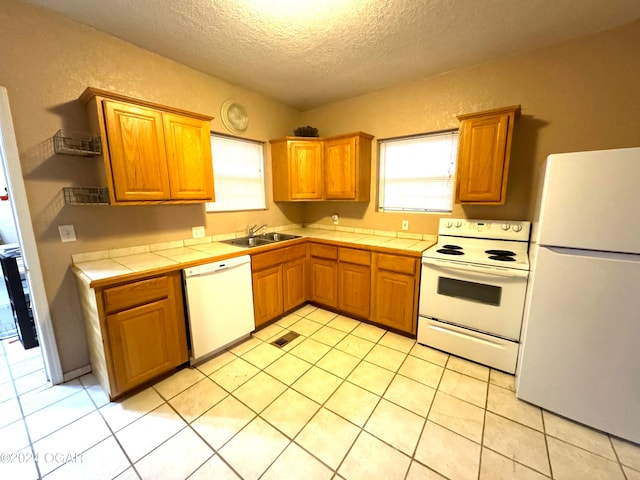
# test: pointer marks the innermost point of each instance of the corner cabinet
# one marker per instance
(332, 168)
(152, 153)
(363, 283)
(136, 330)
(279, 282)
(483, 156)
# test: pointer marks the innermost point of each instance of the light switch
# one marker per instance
(405, 224)
(67, 233)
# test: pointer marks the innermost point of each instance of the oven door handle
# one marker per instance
(484, 269)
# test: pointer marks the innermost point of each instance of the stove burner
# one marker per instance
(450, 251)
(501, 253)
(503, 258)
(452, 247)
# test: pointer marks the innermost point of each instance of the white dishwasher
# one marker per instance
(219, 300)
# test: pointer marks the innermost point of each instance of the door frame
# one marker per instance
(26, 237)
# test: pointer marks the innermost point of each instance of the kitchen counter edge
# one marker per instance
(108, 281)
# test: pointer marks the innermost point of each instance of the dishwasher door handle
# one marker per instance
(213, 268)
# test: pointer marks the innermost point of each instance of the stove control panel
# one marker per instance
(497, 229)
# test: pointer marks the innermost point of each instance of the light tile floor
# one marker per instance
(345, 400)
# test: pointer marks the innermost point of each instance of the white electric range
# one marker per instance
(472, 290)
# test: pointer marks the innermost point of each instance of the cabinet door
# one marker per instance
(340, 168)
(144, 343)
(137, 153)
(483, 157)
(324, 281)
(267, 294)
(354, 289)
(295, 293)
(394, 298)
(305, 170)
(188, 158)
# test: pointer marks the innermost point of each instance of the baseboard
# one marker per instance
(78, 372)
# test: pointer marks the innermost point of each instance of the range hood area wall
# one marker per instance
(574, 96)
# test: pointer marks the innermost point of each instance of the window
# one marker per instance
(417, 174)
(238, 174)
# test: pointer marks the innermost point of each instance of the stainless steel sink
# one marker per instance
(279, 237)
(258, 240)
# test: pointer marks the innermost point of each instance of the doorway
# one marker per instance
(25, 240)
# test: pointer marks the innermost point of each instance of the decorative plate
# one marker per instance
(234, 116)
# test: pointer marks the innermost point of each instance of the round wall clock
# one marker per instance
(234, 116)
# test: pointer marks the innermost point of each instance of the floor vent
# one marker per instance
(283, 340)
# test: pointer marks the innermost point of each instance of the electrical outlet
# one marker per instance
(405, 224)
(197, 232)
(67, 233)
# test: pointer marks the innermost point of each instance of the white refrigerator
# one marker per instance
(580, 352)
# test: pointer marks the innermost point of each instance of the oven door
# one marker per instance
(473, 296)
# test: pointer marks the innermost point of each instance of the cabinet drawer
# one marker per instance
(296, 251)
(135, 293)
(268, 259)
(351, 255)
(397, 263)
(275, 257)
(323, 251)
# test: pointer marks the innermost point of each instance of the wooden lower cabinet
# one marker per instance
(136, 331)
(354, 282)
(267, 294)
(279, 282)
(395, 292)
(373, 286)
(294, 279)
(324, 279)
(142, 343)
(323, 271)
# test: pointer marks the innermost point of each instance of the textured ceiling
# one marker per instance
(307, 53)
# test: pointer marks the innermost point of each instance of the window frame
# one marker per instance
(210, 207)
(452, 173)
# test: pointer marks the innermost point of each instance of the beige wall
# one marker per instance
(580, 95)
(46, 62)
(576, 96)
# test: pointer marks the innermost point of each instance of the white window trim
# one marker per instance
(447, 178)
(221, 205)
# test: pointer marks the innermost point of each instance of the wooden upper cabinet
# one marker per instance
(332, 168)
(483, 156)
(135, 136)
(305, 170)
(347, 167)
(152, 153)
(188, 157)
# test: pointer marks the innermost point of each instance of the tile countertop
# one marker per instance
(109, 265)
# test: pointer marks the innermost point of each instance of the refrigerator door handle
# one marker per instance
(598, 254)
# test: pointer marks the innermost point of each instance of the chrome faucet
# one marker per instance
(253, 230)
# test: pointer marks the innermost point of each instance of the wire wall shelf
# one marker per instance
(86, 195)
(69, 142)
